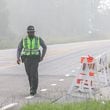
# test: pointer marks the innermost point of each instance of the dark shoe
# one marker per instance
(32, 93)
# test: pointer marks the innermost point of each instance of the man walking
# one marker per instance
(29, 52)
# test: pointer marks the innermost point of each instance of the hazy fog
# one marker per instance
(50, 17)
(76, 19)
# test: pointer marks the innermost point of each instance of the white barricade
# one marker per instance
(85, 78)
(103, 75)
(94, 73)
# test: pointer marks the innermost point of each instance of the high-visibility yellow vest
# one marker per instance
(31, 46)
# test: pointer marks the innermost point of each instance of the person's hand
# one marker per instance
(18, 61)
(41, 58)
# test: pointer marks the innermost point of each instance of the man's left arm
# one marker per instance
(44, 48)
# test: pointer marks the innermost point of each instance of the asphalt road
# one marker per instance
(54, 71)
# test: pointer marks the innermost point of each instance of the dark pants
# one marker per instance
(31, 67)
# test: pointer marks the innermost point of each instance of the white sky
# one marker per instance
(58, 17)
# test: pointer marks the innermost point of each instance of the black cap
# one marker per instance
(30, 29)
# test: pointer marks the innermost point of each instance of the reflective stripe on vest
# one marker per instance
(31, 46)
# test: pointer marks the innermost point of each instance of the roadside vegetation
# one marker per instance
(86, 105)
(12, 42)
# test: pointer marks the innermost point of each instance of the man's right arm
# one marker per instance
(19, 50)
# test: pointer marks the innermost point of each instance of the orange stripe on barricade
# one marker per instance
(87, 70)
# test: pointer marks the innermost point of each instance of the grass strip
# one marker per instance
(86, 105)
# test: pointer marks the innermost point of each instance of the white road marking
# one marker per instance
(67, 75)
(7, 66)
(29, 97)
(43, 90)
(9, 106)
(73, 73)
(53, 84)
(61, 80)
